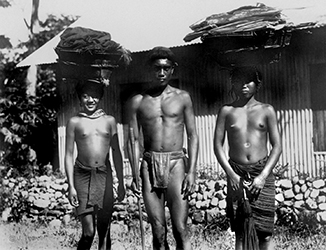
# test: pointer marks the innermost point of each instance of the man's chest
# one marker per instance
(241, 119)
(152, 108)
(93, 127)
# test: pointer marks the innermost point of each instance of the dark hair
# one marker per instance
(247, 74)
(90, 85)
(161, 52)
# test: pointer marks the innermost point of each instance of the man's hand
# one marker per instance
(72, 196)
(257, 185)
(235, 182)
(188, 185)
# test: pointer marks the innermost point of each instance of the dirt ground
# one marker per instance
(14, 236)
(25, 236)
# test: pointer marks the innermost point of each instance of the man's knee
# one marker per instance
(179, 227)
(159, 231)
(180, 234)
(179, 219)
(88, 232)
(88, 235)
(158, 226)
(180, 231)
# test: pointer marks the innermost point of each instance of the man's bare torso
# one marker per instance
(247, 133)
(93, 137)
(162, 120)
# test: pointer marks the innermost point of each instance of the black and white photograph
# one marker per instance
(171, 124)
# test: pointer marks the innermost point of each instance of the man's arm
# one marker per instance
(275, 140)
(117, 159)
(219, 137)
(69, 165)
(193, 145)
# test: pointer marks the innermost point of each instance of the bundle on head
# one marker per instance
(90, 54)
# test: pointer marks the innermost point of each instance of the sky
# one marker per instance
(142, 24)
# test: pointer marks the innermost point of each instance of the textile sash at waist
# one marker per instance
(263, 205)
(159, 166)
(90, 181)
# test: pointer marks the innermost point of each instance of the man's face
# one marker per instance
(162, 70)
(243, 88)
(89, 100)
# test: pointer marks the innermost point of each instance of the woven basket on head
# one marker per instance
(86, 65)
(246, 48)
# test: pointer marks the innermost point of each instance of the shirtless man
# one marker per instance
(249, 124)
(162, 113)
(90, 178)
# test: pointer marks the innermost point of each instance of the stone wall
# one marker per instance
(45, 198)
(293, 198)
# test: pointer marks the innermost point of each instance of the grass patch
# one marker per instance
(35, 235)
(298, 239)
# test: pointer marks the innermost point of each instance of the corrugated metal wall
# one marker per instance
(286, 85)
(295, 127)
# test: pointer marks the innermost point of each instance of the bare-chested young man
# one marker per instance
(162, 113)
(249, 124)
(90, 177)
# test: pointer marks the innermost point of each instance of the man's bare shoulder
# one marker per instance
(109, 118)
(180, 93)
(177, 90)
(227, 108)
(136, 99)
(268, 109)
(74, 120)
(265, 106)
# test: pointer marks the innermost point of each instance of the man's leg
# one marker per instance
(88, 231)
(103, 228)
(104, 217)
(154, 203)
(238, 241)
(178, 205)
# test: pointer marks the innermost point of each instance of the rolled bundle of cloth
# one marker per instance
(88, 41)
(81, 40)
(90, 54)
(240, 20)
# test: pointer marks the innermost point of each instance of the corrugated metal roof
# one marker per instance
(43, 55)
(134, 35)
(47, 55)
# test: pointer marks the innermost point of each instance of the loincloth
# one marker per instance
(90, 183)
(263, 205)
(159, 166)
